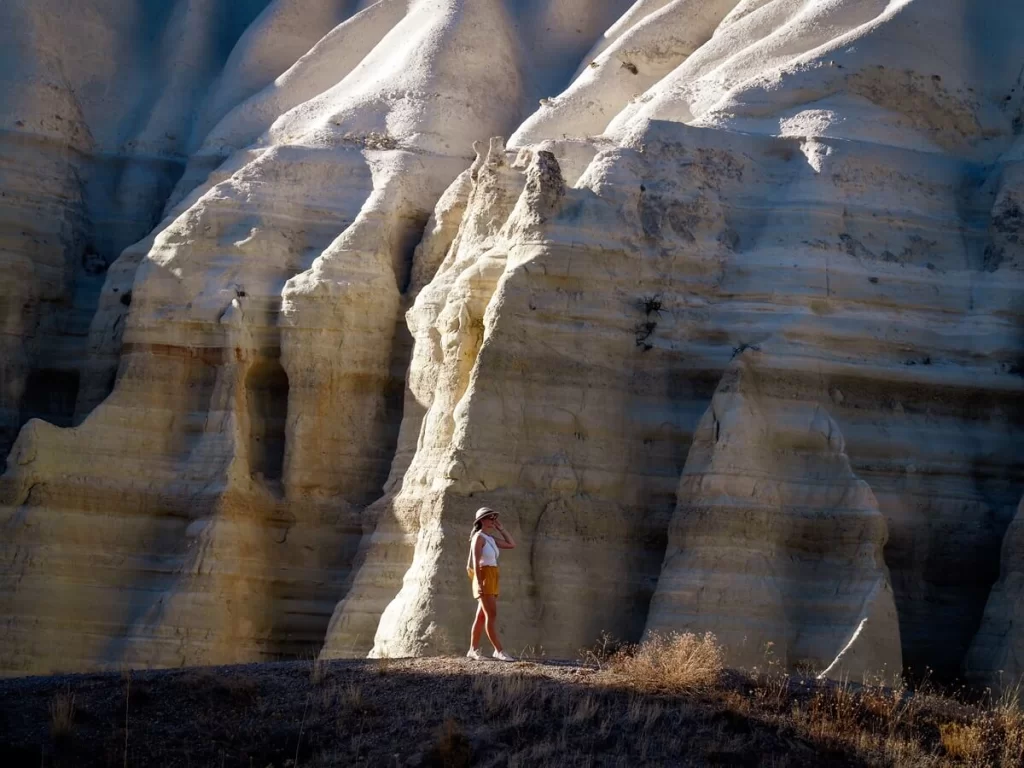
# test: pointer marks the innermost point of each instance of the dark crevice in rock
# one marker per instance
(267, 395)
(50, 395)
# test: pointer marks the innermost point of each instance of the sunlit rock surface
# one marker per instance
(283, 328)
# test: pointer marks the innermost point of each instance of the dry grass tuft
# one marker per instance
(673, 663)
(317, 671)
(964, 741)
(384, 663)
(353, 702)
(585, 709)
(452, 747)
(508, 697)
(603, 651)
(1012, 726)
(62, 715)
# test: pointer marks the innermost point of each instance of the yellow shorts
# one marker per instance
(489, 574)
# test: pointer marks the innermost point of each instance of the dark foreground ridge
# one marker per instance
(455, 712)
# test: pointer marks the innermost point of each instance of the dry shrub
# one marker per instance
(451, 749)
(772, 690)
(1012, 752)
(1010, 722)
(603, 651)
(833, 710)
(62, 715)
(672, 663)
(888, 709)
(964, 741)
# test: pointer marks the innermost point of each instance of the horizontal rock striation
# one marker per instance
(331, 333)
(996, 655)
(775, 545)
(257, 341)
(690, 253)
(98, 100)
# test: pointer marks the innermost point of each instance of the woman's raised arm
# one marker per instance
(508, 542)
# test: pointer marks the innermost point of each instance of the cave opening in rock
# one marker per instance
(266, 388)
(50, 395)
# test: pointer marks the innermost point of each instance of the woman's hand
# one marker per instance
(509, 542)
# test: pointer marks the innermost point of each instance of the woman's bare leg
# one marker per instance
(478, 627)
(489, 604)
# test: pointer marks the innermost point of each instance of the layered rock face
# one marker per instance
(774, 536)
(98, 101)
(730, 332)
(996, 656)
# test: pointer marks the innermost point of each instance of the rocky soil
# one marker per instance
(454, 712)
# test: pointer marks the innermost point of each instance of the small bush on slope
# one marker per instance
(672, 663)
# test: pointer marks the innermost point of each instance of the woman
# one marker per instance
(482, 567)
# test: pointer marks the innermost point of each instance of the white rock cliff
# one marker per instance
(730, 328)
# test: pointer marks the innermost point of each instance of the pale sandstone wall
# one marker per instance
(776, 545)
(261, 357)
(98, 100)
(836, 183)
(566, 400)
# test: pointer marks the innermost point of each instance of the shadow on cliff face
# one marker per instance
(946, 512)
(50, 395)
(267, 386)
(121, 200)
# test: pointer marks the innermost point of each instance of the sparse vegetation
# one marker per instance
(383, 663)
(964, 742)
(643, 331)
(317, 669)
(666, 701)
(452, 747)
(62, 715)
(372, 140)
(603, 651)
(353, 702)
(673, 663)
(651, 304)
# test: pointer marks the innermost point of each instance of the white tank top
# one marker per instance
(489, 553)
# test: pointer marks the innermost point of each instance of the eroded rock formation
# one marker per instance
(776, 545)
(996, 657)
(344, 333)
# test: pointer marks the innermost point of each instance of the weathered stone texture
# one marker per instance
(730, 328)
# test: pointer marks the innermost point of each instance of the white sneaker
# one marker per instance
(474, 653)
(502, 656)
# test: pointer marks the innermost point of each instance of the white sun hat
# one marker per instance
(484, 512)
